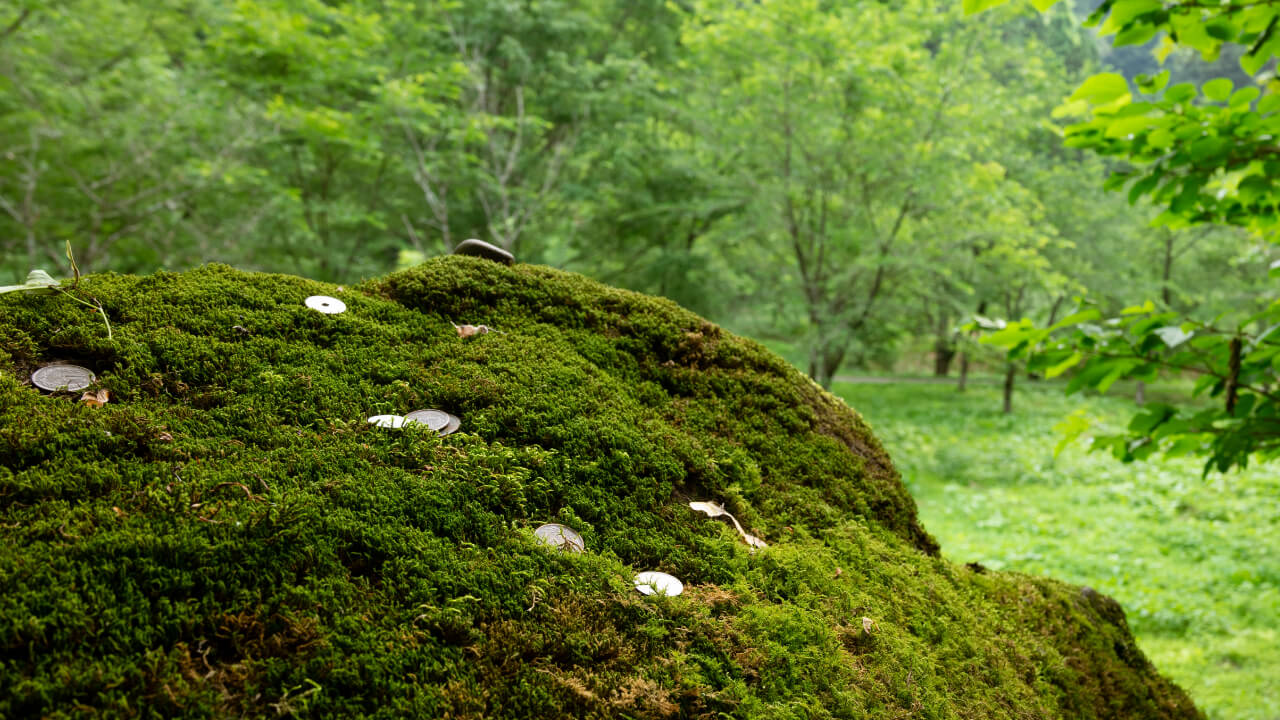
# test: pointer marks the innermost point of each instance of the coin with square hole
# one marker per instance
(55, 378)
(325, 304)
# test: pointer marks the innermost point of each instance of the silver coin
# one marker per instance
(560, 536)
(435, 419)
(387, 421)
(326, 304)
(62, 377)
(454, 423)
(658, 583)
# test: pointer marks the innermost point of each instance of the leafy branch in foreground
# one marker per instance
(1206, 154)
(1235, 366)
(1203, 155)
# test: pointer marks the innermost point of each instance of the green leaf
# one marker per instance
(1124, 127)
(1134, 35)
(1244, 96)
(1142, 187)
(1173, 335)
(1063, 366)
(1155, 415)
(1180, 93)
(1218, 89)
(1152, 84)
(1209, 148)
(977, 6)
(1186, 445)
(1043, 5)
(1252, 188)
(1118, 369)
(1089, 315)
(1222, 29)
(1101, 88)
(1261, 50)
(1125, 11)
(1071, 427)
(1269, 103)
(37, 280)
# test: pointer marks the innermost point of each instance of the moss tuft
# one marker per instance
(229, 536)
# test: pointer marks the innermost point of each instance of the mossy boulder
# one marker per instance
(228, 536)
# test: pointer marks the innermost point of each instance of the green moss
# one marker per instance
(229, 536)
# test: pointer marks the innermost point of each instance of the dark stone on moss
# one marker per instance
(1105, 606)
(223, 537)
(480, 248)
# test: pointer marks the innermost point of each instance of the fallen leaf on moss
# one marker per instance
(469, 330)
(712, 509)
(715, 509)
(867, 624)
(164, 436)
(96, 399)
(839, 572)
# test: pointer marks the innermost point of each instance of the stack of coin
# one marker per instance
(441, 422)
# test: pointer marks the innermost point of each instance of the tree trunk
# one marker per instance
(1010, 374)
(1140, 394)
(944, 347)
(942, 356)
(1165, 295)
(964, 355)
(829, 360)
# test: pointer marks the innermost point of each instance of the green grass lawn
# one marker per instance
(1195, 562)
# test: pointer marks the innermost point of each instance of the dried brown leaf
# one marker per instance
(469, 330)
(867, 625)
(96, 399)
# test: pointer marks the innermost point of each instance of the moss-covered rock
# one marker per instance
(228, 535)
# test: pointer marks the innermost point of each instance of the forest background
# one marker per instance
(850, 182)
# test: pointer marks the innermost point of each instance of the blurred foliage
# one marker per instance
(1191, 561)
(1202, 156)
(841, 176)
